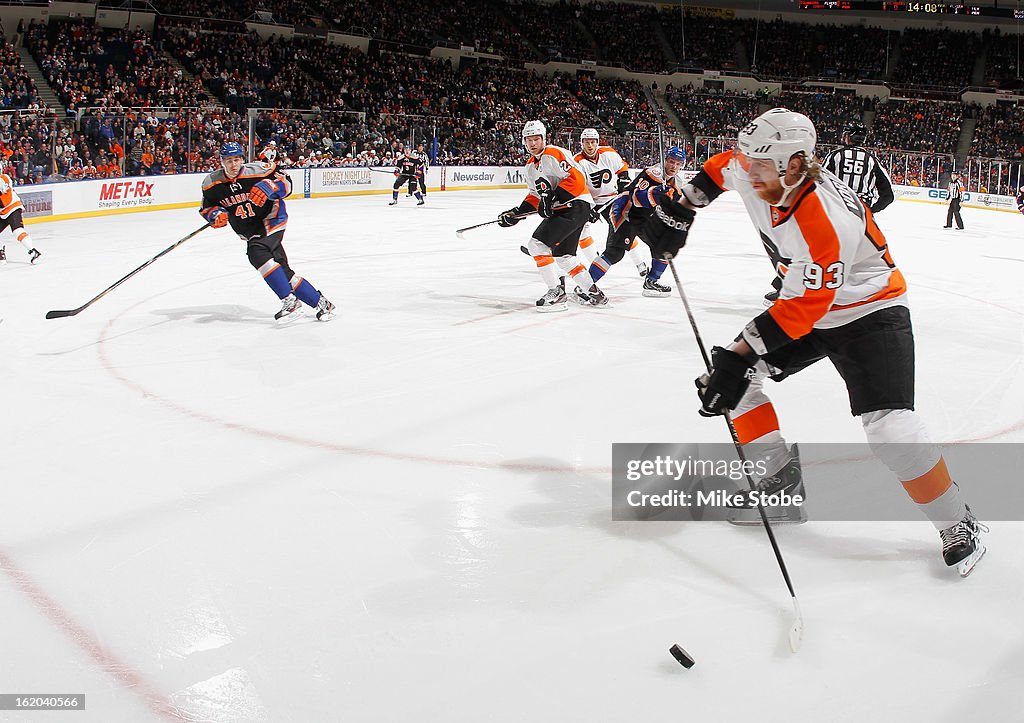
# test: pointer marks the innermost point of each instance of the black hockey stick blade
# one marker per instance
(58, 313)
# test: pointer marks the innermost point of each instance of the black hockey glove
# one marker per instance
(595, 214)
(722, 390)
(670, 227)
(623, 183)
(509, 217)
(546, 206)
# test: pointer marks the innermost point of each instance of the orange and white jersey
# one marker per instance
(268, 154)
(834, 258)
(602, 172)
(9, 199)
(556, 170)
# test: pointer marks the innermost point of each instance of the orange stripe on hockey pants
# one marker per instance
(929, 486)
(756, 423)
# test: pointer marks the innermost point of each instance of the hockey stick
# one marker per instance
(796, 631)
(460, 231)
(57, 314)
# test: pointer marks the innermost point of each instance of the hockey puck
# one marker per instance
(681, 656)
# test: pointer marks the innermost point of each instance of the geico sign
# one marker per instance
(943, 194)
(126, 190)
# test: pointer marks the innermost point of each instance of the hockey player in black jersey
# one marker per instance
(405, 172)
(250, 197)
(644, 211)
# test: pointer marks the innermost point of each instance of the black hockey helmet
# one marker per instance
(855, 131)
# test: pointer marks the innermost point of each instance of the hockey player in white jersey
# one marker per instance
(607, 176)
(559, 193)
(844, 299)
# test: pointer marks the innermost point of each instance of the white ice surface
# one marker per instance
(403, 515)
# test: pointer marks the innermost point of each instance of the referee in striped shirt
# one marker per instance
(956, 195)
(859, 169)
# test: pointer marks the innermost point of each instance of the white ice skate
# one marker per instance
(291, 309)
(961, 544)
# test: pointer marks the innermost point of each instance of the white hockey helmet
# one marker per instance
(535, 128)
(590, 134)
(778, 135)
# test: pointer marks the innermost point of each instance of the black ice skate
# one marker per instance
(962, 545)
(790, 480)
(554, 300)
(593, 296)
(420, 202)
(3, 256)
(653, 288)
(394, 203)
(33, 255)
(291, 309)
(325, 309)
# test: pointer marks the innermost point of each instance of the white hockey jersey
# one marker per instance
(835, 259)
(556, 170)
(602, 172)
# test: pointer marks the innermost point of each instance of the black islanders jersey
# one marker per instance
(232, 195)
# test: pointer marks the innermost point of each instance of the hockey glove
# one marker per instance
(509, 217)
(257, 196)
(220, 219)
(671, 234)
(623, 183)
(595, 215)
(546, 206)
(722, 390)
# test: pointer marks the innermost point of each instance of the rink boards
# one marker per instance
(84, 199)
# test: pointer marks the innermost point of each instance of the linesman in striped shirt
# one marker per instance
(859, 169)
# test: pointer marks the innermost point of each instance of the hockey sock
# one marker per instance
(548, 272)
(305, 291)
(587, 249)
(394, 195)
(658, 267)
(581, 277)
(419, 196)
(599, 268)
(937, 496)
(25, 239)
(634, 255)
(276, 279)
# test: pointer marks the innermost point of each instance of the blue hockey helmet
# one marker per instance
(232, 149)
(676, 153)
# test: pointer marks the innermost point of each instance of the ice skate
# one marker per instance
(554, 300)
(643, 269)
(3, 256)
(33, 255)
(394, 203)
(596, 297)
(291, 309)
(653, 288)
(420, 202)
(325, 310)
(961, 544)
(790, 480)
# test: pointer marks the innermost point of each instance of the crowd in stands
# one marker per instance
(626, 35)
(1002, 53)
(703, 43)
(707, 113)
(831, 110)
(17, 90)
(918, 125)
(88, 66)
(937, 57)
(373, 103)
(1000, 131)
